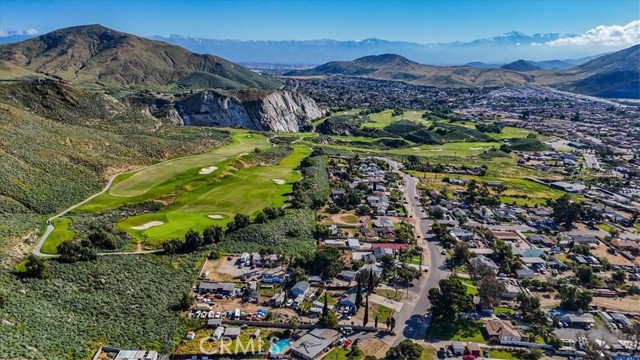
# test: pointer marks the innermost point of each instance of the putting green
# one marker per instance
(247, 190)
(149, 177)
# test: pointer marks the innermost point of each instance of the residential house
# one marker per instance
(379, 252)
(349, 301)
(541, 239)
(300, 288)
(461, 234)
(525, 273)
(584, 240)
(480, 259)
(629, 245)
(270, 260)
(314, 344)
(501, 331)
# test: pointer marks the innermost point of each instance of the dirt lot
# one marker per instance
(601, 251)
(626, 304)
(373, 346)
(227, 270)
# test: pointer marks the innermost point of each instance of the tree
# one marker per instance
(586, 276)
(186, 300)
(501, 251)
(325, 307)
(406, 350)
(365, 320)
(461, 253)
(450, 298)
(330, 320)
(192, 240)
(619, 277)
(72, 251)
(571, 298)
(213, 234)
(241, 221)
(531, 354)
(490, 290)
(437, 213)
(565, 211)
(328, 263)
(37, 267)
(527, 303)
(359, 294)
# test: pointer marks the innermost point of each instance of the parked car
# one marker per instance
(347, 343)
(347, 330)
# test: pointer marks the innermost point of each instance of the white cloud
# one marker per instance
(30, 32)
(614, 35)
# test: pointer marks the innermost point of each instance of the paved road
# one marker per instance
(412, 322)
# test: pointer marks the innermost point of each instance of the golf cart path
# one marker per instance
(37, 250)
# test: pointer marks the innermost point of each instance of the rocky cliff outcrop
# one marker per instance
(263, 110)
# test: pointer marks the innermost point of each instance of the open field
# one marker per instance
(196, 198)
(60, 234)
(246, 190)
(152, 176)
(461, 330)
(384, 118)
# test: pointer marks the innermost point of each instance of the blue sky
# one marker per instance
(419, 21)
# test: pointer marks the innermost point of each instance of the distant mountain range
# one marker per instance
(500, 49)
(96, 55)
(612, 75)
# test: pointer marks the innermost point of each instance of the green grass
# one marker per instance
(502, 354)
(152, 176)
(461, 330)
(415, 260)
(233, 187)
(246, 190)
(382, 311)
(389, 294)
(338, 353)
(605, 227)
(509, 132)
(59, 234)
(471, 287)
(638, 227)
(501, 310)
(428, 353)
(384, 118)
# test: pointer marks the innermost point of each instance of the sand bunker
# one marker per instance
(215, 217)
(278, 181)
(148, 225)
(416, 148)
(476, 148)
(208, 170)
(435, 150)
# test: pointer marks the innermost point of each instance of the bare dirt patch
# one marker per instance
(15, 249)
(626, 304)
(373, 346)
(617, 259)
